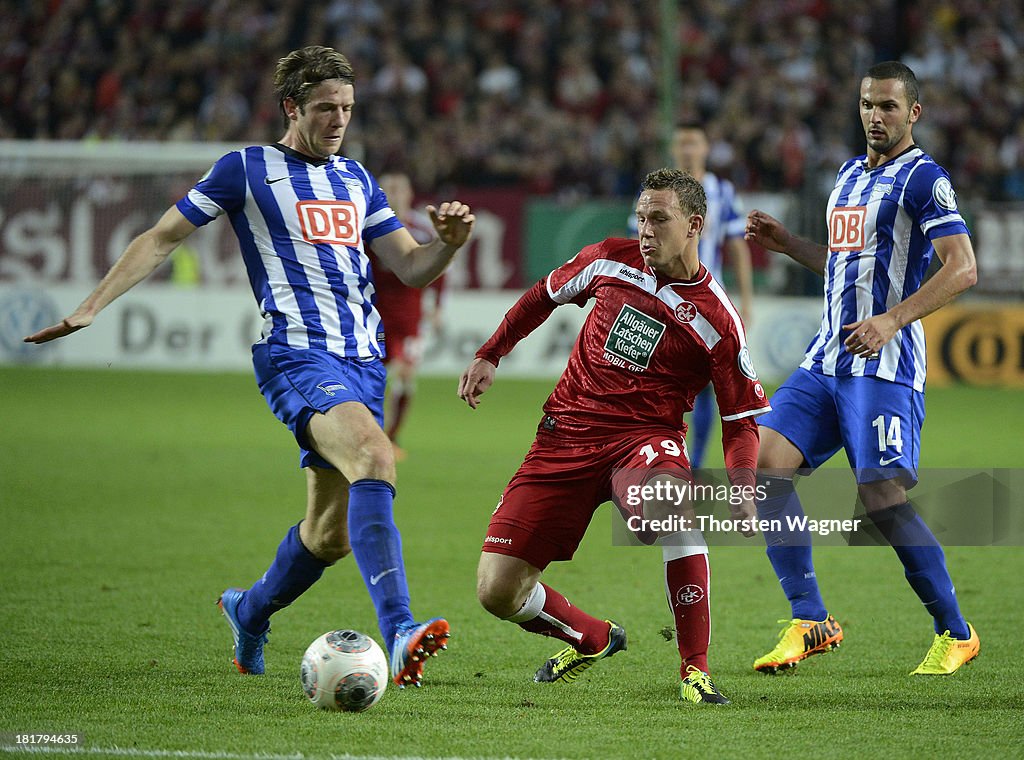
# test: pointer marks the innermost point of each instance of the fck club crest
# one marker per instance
(689, 594)
(686, 312)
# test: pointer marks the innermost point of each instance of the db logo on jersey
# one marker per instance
(846, 228)
(335, 222)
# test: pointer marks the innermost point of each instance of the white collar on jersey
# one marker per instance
(702, 276)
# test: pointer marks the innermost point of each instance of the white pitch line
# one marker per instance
(206, 755)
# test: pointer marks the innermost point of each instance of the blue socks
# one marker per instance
(293, 570)
(377, 548)
(702, 418)
(789, 550)
(378, 551)
(924, 564)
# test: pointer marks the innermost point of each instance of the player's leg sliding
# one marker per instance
(377, 548)
(548, 613)
(956, 642)
(248, 612)
(810, 630)
(688, 589)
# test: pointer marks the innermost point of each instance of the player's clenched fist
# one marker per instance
(475, 381)
(453, 221)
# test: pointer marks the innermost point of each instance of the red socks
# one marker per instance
(687, 584)
(550, 614)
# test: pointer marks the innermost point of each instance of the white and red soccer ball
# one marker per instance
(344, 670)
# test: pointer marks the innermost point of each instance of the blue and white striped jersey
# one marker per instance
(724, 220)
(881, 222)
(302, 225)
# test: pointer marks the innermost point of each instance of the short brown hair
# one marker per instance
(301, 70)
(688, 190)
(900, 71)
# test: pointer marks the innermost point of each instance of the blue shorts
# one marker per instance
(877, 422)
(297, 383)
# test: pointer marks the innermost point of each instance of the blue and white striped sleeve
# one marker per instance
(220, 190)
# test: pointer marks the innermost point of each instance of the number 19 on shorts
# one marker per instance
(668, 447)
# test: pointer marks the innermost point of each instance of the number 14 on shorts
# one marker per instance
(889, 435)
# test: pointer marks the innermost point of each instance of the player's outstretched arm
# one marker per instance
(957, 273)
(144, 254)
(768, 232)
(525, 316)
(478, 377)
(417, 264)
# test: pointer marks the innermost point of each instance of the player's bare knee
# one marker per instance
(380, 462)
(373, 460)
(777, 455)
(496, 596)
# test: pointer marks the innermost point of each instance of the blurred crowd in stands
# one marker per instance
(546, 95)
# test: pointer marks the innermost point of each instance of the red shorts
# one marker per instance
(404, 347)
(547, 506)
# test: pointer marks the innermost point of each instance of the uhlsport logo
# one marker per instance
(633, 337)
(23, 313)
(689, 594)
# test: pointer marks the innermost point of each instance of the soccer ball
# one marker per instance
(344, 670)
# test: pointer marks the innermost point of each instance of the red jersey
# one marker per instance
(647, 348)
(400, 305)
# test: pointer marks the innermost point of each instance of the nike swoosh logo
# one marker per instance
(270, 181)
(883, 462)
(375, 578)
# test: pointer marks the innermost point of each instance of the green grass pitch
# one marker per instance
(130, 500)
